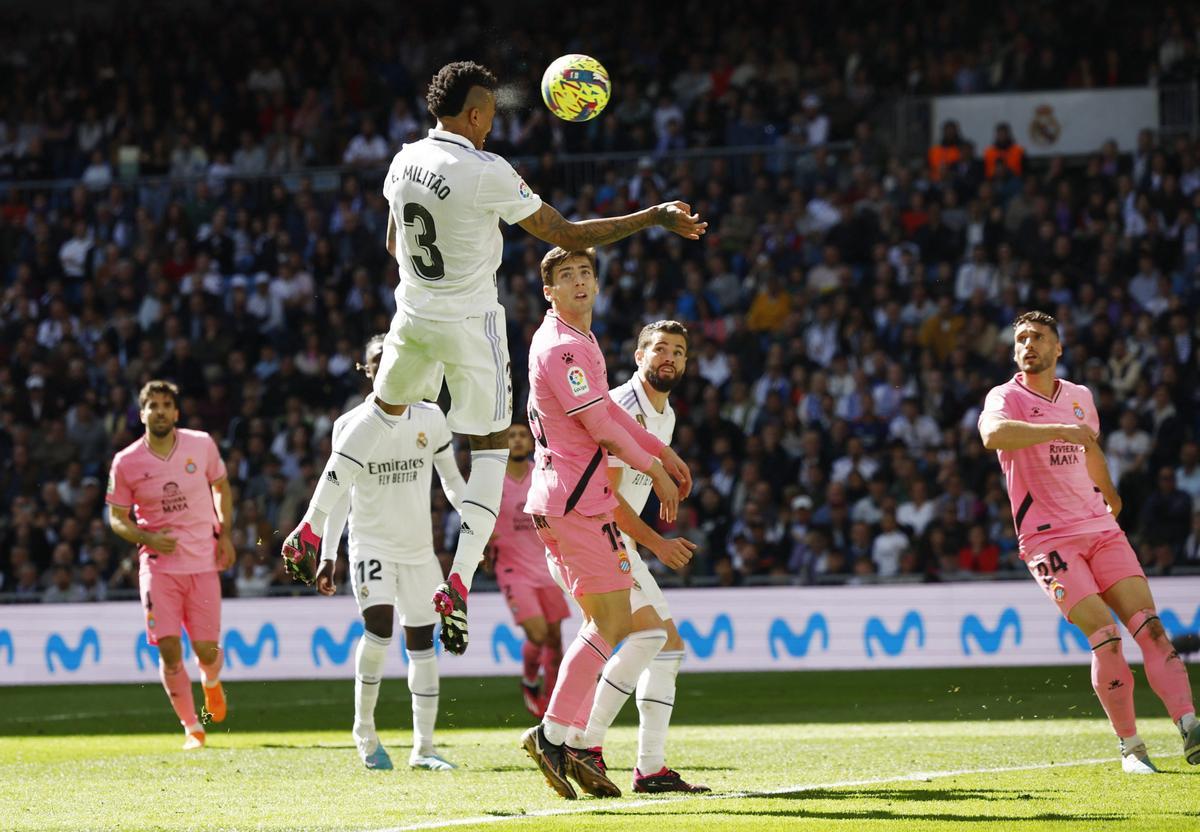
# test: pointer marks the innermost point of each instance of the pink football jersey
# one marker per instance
(567, 375)
(520, 553)
(1051, 493)
(173, 493)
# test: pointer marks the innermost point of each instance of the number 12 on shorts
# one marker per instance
(368, 570)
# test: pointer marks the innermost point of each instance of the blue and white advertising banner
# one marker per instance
(1050, 123)
(860, 627)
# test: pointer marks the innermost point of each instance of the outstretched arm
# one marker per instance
(549, 225)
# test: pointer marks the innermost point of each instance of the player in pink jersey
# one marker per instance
(1044, 431)
(518, 558)
(173, 481)
(575, 424)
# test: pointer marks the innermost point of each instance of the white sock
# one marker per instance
(1128, 743)
(356, 441)
(1187, 722)
(556, 732)
(481, 505)
(655, 702)
(423, 685)
(619, 680)
(368, 675)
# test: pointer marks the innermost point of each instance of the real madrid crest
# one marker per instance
(1044, 128)
(422, 440)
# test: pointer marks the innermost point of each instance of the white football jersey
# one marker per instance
(446, 199)
(636, 486)
(388, 506)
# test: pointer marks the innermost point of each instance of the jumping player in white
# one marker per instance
(393, 565)
(446, 196)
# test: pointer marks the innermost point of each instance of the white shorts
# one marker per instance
(645, 593)
(471, 354)
(407, 587)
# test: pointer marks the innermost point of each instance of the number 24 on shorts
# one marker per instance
(1046, 571)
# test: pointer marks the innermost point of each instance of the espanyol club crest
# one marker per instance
(1078, 410)
(190, 467)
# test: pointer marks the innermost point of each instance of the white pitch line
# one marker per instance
(609, 807)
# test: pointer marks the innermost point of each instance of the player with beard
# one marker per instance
(168, 493)
(575, 425)
(1044, 431)
(518, 558)
(650, 657)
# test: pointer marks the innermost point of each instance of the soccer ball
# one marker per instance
(576, 88)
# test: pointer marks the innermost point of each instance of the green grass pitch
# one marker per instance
(979, 749)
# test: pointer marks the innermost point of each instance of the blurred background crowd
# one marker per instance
(196, 196)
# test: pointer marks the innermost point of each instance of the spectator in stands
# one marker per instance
(1005, 151)
(1187, 475)
(978, 556)
(889, 544)
(367, 148)
(947, 152)
(1190, 555)
(1165, 523)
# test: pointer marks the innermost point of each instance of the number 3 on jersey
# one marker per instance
(430, 264)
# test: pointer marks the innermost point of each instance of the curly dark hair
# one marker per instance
(448, 90)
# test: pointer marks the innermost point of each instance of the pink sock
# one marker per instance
(179, 691)
(1112, 680)
(581, 666)
(530, 655)
(1164, 668)
(551, 657)
(210, 674)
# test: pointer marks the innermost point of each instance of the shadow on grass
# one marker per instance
(829, 697)
(1073, 821)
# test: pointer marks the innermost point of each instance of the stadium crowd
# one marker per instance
(172, 89)
(848, 309)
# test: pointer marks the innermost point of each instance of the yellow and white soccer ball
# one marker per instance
(576, 88)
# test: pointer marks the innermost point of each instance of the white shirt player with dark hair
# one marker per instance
(393, 564)
(388, 507)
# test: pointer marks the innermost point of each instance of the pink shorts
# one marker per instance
(1070, 569)
(172, 602)
(588, 551)
(527, 600)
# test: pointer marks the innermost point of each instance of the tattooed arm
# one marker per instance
(549, 225)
